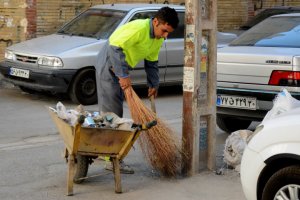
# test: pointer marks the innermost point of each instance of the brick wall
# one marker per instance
(232, 13)
(13, 23)
(271, 3)
(24, 19)
(53, 14)
(31, 13)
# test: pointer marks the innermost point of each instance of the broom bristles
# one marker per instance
(159, 144)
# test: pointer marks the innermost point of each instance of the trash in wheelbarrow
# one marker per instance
(95, 119)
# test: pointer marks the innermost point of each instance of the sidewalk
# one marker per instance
(203, 186)
(146, 185)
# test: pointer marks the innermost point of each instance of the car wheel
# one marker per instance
(284, 184)
(83, 89)
(229, 124)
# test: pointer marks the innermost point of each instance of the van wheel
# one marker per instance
(229, 124)
(284, 184)
(83, 89)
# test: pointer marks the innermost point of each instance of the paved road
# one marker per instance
(32, 167)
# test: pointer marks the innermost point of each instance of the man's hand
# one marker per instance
(124, 82)
(152, 92)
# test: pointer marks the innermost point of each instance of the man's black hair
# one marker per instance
(168, 15)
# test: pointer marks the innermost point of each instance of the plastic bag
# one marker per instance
(115, 121)
(234, 147)
(283, 102)
(70, 116)
(61, 110)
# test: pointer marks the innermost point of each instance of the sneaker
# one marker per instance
(124, 169)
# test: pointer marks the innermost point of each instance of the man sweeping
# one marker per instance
(135, 41)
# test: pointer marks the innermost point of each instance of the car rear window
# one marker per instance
(273, 32)
(94, 23)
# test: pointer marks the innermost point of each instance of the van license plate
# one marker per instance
(236, 102)
(19, 72)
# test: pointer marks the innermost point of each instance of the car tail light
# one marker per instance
(285, 78)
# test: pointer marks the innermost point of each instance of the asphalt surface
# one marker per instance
(32, 167)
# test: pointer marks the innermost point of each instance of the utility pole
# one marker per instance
(199, 86)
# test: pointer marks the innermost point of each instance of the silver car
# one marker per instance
(254, 68)
(64, 62)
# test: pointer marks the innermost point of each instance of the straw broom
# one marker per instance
(159, 144)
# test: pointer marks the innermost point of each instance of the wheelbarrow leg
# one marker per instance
(117, 175)
(71, 170)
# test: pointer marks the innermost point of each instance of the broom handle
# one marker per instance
(153, 108)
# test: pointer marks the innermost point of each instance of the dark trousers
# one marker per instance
(111, 94)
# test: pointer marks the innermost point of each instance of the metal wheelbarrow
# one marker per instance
(85, 143)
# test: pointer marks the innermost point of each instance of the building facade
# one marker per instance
(25, 19)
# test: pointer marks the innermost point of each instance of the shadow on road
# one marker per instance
(142, 92)
(162, 91)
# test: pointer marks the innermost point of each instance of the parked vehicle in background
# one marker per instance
(64, 62)
(254, 68)
(270, 166)
(264, 14)
(268, 12)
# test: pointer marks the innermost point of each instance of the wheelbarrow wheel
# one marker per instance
(81, 168)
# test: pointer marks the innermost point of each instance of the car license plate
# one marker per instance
(19, 72)
(236, 102)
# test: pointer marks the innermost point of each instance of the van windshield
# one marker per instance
(94, 23)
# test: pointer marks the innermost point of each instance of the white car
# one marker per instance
(270, 166)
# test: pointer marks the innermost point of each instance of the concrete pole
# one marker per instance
(199, 86)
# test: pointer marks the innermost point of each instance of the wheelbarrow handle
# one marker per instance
(81, 119)
(153, 107)
(151, 124)
(147, 125)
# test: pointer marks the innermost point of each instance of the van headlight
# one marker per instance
(50, 61)
(9, 55)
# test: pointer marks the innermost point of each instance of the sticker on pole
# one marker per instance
(188, 79)
(190, 33)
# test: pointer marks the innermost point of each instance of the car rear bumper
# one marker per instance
(52, 80)
(253, 115)
(264, 103)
